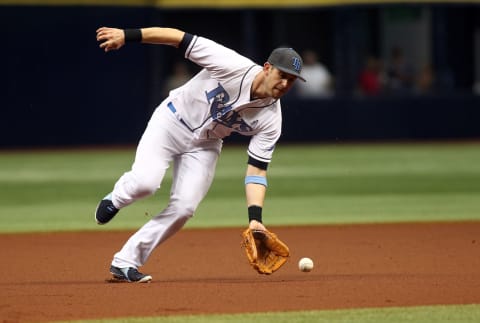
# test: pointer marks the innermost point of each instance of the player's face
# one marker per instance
(279, 82)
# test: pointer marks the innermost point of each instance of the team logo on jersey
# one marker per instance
(218, 98)
(234, 121)
(222, 113)
(297, 65)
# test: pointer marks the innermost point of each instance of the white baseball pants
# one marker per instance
(165, 140)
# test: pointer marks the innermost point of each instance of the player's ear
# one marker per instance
(268, 68)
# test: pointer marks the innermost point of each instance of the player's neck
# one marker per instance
(257, 91)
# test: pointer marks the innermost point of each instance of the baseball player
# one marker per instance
(230, 94)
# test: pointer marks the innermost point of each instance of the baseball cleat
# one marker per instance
(129, 274)
(105, 211)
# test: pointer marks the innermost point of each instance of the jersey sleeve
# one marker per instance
(220, 61)
(263, 143)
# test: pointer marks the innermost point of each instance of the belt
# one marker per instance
(174, 111)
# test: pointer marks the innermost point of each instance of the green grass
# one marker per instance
(420, 314)
(308, 184)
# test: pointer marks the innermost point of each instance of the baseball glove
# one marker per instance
(265, 252)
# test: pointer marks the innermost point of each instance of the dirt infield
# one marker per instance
(61, 276)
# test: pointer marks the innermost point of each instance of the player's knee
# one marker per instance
(184, 210)
(145, 188)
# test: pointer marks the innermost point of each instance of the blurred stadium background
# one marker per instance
(59, 89)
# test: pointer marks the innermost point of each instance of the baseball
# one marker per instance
(305, 265)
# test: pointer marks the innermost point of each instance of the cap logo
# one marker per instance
(297, 65)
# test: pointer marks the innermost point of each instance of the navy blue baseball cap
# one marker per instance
(287, 60)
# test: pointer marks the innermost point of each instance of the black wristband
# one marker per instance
(133, 35)
(255, 213)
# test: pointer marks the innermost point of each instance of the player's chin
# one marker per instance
(277, 94)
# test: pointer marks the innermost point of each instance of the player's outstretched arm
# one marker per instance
(162, 36)
(255, 190)
(115, 38)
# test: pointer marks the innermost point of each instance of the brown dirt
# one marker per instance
(61, 276)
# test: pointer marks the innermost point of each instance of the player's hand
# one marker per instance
(255, 225)
(110, 38)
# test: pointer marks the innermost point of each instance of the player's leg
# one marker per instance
(192, 177)
(153, 155)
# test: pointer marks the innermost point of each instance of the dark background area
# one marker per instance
(59, 89)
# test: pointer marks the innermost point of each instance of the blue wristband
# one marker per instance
(252, 179)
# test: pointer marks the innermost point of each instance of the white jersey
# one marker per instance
(217, 102)
(186, 130)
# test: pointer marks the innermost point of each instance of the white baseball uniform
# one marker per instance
(187, 129)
